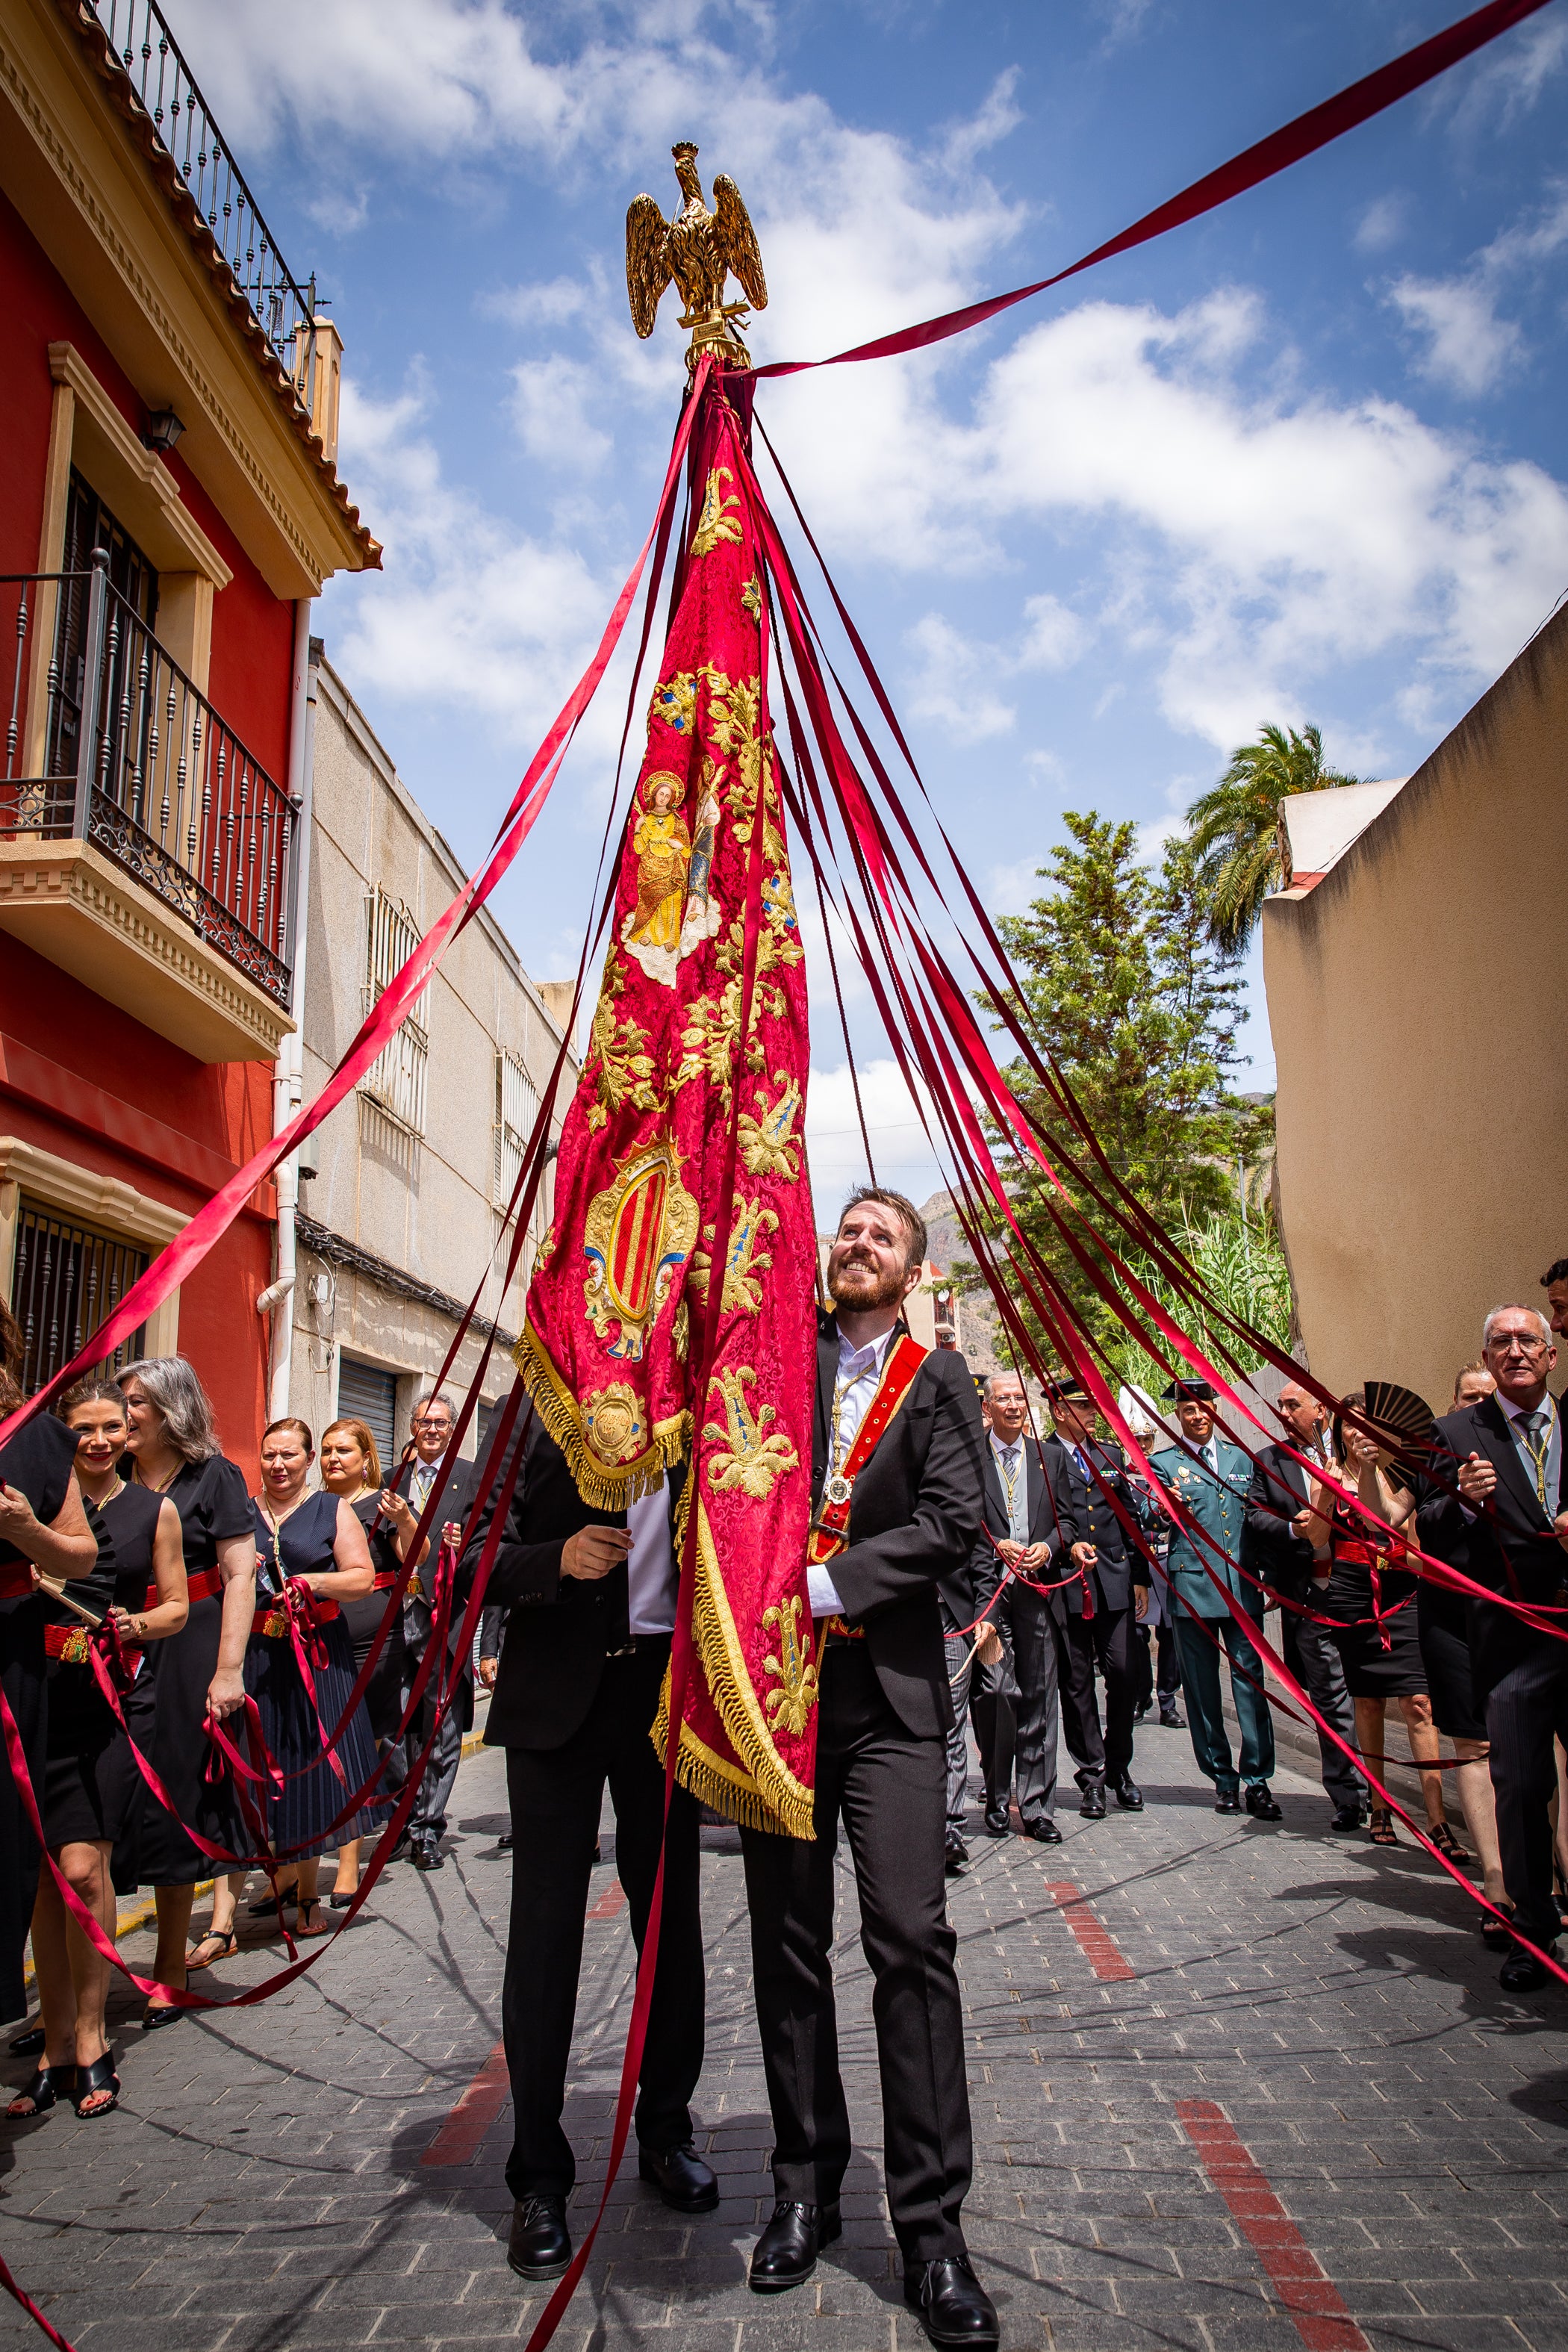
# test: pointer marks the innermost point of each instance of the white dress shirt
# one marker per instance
(650, 1565)
(1015, 1485)
(859, 1373)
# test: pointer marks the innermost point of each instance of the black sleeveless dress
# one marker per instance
(300, 1822)
(91, 1778)
(168, 1717)
(38, 1463)
(365, 1619)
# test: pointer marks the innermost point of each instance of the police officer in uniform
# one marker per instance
(1211, 1477)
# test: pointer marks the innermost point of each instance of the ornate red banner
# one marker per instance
(682, 1165)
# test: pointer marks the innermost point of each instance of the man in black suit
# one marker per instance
(1275, 1548)
(1108, 1510)
(1496, 1506)
(1030, 1528)
(895, 1516)
(432, 1428)
(590, 1596)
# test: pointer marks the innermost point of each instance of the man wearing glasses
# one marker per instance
(1496, 1506)
(431, 1429)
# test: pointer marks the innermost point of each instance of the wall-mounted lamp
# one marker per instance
(161, 430)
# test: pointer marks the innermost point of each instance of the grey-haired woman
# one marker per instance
(172, 1448)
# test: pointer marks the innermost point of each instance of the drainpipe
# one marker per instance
(288, 1077)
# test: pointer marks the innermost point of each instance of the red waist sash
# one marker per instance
(72, 1644)
(1363, 1555)
(274, 1626)
(385, 1580)
(16, 1580)
(206, 1585)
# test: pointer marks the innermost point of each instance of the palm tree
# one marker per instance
(1238, 831)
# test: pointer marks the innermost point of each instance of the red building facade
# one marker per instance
(169, 506)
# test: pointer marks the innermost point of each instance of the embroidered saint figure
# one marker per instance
(662, 845)
(702, 918)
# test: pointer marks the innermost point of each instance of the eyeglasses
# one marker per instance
(1510, 1343)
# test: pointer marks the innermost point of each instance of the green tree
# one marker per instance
(1243, 1273)
(1237, 827)
(1120, 984)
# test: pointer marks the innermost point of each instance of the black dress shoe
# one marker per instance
(1347, 1818)
(785, 2253)
(1262, 1805)
(1522, 1972)
(1229, 1801)
(504, 1841)
(27, 2044)
(1044, 1831)
(1093, 1805)
(998, 1820)
(1129, 1796)
(686, 2184)
(954, 1856)
(950, 2302)
(1170, 1721)
(427, 1854)
(540, 2246)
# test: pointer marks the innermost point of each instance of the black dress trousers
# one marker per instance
(556, 1795)
(890, 1787)
(1522, 1678)
(1104, 1640)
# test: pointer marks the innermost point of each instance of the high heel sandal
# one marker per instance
(1446, 1844)
(224, 1938)
(49, 2085)
(90, 2080)
(1379, 1826)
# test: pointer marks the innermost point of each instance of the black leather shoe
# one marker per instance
(950, 2302)
(1093, 1805)
(503, 1843)
(1229, 1801)
(1129, 1796)
(540, 2246)
(1170, 1721)
(1347, 1818)
(1262, 1805)
(1522, 1972)
(998, 1820)
(1045, 1831)
(427, 1854)
(954, 1856)
(686, 2184)
(786, 2254)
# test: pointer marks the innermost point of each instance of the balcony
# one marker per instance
(142, 848)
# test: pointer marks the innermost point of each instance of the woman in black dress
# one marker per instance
(91, 1780)
(173, 1449)
(42, 1526)
(312, 1540)
(350, 1467)
(1445, 1654)
(1372, 1595)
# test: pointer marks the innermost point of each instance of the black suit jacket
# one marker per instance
(559, 1629)
(913, 1521)
(1269, 1546)
(1052, 1520)
(1098, 1521)
(1510, 1546)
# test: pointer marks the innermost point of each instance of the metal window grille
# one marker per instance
(367, 1394)
(66, 1278)
(517, 1107)
(395, 1080)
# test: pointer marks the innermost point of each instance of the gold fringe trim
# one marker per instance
(603, 1485)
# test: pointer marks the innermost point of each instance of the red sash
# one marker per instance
(16, 1580)
(206, 1585)
(72, 1644)
(830, 1528)
(385, 1580)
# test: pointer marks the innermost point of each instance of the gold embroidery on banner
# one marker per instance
(751, 597)
(750, 1460)
(769, 1145)
(613, 1423)
(635, 1235)
(744, 1262)
(716, 524)
(625, 1073)
(674, 701)
(788, 1707)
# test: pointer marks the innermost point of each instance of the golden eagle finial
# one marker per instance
(699, 249)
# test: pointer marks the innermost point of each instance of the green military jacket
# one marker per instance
(1216, 1500)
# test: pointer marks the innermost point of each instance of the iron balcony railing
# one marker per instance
(107, 740)
(284, 309)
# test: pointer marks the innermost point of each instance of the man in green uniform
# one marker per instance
(1210, 1477)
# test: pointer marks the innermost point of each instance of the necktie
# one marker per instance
(1537, 1447)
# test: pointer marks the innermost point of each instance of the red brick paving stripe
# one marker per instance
(1098, 1946)
(462, 2134)
(1305, 2290)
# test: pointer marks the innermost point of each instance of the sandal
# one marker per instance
(307, 1923)
(1496, 1933)
(48, 2085)
(1446, 1844)
(93, 2080)
(342, 1896)
(224, 1938)
(1379, 1826)
(159, 2013)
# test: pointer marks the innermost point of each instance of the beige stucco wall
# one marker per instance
(424, 1203)
(1418, 1001)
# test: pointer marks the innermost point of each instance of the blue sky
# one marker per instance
(1303, 461)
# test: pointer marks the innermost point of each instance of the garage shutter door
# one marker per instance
(371, 1396)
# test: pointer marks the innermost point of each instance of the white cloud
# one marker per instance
(1054, 637)
(835, 1152)
(1509, 79)
(991, 121)
(1468, 347)
(1382, 223)
(951, 682)
(548, 304)
(549, 409)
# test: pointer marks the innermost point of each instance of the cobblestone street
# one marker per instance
(1233, 2085)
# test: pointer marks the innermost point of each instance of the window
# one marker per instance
(88, 525)
(367, 1394)
(396, 1079)
(517, 1107)
(66, 1279)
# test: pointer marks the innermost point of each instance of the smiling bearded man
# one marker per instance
(896, 1493)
